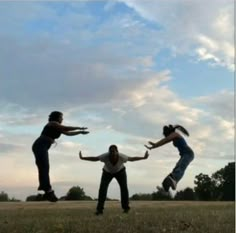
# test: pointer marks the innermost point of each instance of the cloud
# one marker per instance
(79, 75)
(211, 34)
(67, 80)
(221, 104)
(6, 147)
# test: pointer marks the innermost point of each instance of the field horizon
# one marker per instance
(144, 217)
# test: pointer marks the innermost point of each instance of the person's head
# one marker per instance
(56, 116)
(113, 150)
(167, 130)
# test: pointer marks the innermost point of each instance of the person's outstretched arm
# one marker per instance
(64, 128)
(93, 159)
(73, 133)
(132, 159)
(162, 142)
(69, 130)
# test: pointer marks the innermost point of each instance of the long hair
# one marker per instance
(167, 130)
(54, 116)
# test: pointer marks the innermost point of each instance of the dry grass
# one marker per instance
(144, 217)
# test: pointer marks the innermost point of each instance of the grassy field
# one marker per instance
(144, 217)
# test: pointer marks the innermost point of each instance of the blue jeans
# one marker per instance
(181, 166)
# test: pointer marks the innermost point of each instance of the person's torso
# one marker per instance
(182, 146)
(51, 132)
(111, 167)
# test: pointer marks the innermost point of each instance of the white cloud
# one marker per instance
(220, 104)
(207, 26)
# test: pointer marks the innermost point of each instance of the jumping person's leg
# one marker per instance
(181, 166)
(42, 162)
(43, 172)
(175, 176)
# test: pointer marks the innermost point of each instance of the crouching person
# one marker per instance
(113, 168)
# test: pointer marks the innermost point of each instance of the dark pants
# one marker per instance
(40, 149)
(106, 178)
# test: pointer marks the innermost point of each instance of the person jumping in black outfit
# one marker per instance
(51, 131)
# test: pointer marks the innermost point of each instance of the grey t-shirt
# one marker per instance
(109, 167)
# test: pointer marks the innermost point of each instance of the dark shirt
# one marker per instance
(51, 132)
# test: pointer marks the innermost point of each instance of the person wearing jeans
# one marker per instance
(113, 168)
(185, 152)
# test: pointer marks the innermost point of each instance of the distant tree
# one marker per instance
(141, 196)
(111, 199)
(205, 187)
(220, 186)
(88, 198)
(161, 194)
(62, 198)
(76, 193)
(217, 179)
(186, 194)
(4, 196)
(13, 199)
(224, 181)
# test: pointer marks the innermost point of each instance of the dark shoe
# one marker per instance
(50, 196)
(166, 183)
(99, 212)
(39, 188)
(126, 211)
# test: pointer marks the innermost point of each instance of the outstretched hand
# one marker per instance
(83, 128)
(84, 132)
(146, 155)
(148, 147)
(151, 143)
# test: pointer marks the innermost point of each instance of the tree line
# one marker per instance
(220, 186)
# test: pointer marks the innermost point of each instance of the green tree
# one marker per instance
(4, 196)
(224, 181)
(205, 187)
(76, 193)
(141, 196)
(186, 194)
(13, 199)
(161, 194)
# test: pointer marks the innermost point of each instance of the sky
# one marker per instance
(124, 69)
